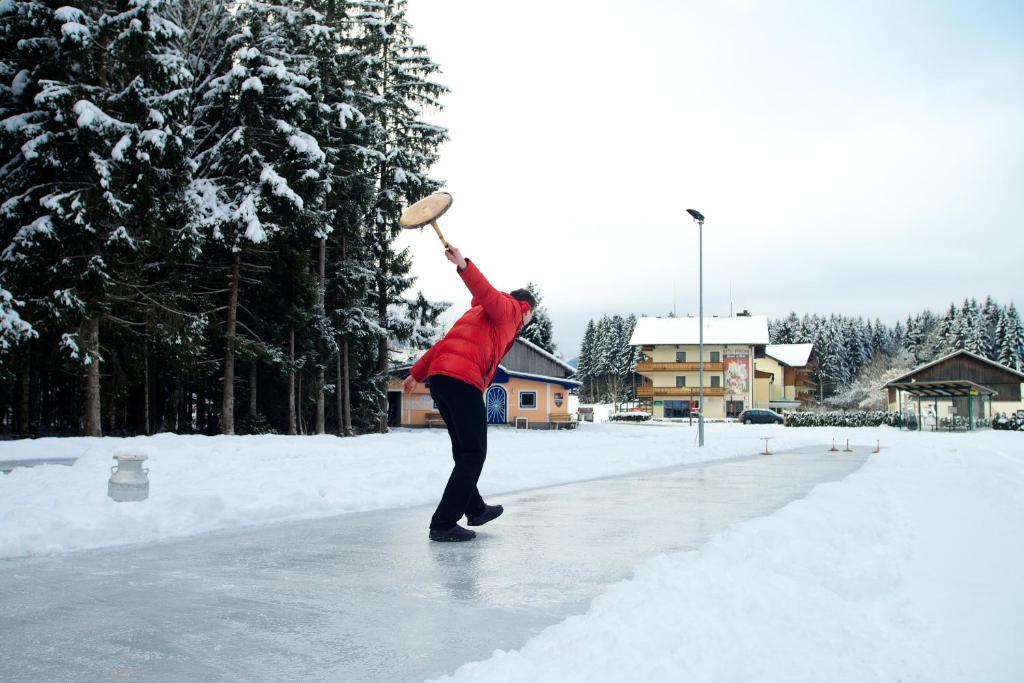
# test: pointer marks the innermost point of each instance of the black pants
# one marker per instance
(462, 407)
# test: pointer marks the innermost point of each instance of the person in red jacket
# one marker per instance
(458, 369)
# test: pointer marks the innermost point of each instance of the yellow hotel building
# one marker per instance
(671, 365)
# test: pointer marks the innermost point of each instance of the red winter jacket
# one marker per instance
(477, 342)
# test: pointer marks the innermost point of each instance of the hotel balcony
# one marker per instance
(648, 366)
(649, 391)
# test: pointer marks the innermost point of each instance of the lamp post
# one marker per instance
(699, 218)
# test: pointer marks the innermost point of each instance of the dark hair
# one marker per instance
(524, 295)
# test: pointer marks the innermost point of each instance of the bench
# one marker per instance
(559, 419)
(434, 420)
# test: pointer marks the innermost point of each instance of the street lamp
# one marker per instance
(699, 218)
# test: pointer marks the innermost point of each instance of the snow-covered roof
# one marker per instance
(549, 356)
(740, 330)
(919, 368)
(567, 383)
(793, 355)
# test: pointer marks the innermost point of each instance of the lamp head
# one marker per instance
(697, 215)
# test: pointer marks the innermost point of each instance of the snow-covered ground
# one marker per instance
(908, 570)
(200, 484)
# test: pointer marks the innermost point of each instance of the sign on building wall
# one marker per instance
(737, 372)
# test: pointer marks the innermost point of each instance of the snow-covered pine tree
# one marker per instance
(585, 364)
(315, 34)
(947, 332)
(990, 315)
(808, 332)
(603, 353)
(857, 342)
(423, 316)
(789, 329)
(615, 352)
(102, 94)
(912, 339)
(933, 345)
(963, 331)
(343, 136)
(1010, 339)
(395, 92)
(628, 358)
(834, 366)
(898, 339)
(540, 331)
(259, 172)
(881, 339)
(355, 320)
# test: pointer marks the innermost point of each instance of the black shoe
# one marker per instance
(456, 533)
(490, 512)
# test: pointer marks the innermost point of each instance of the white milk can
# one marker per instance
(129, 480)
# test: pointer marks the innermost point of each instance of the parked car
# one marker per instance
(760, 416)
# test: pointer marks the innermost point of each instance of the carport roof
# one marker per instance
(948, 389)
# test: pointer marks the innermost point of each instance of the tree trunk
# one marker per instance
(111, 404)
(201, 407)
(174, 408)
(291, 383)
(26, 377)
(298, 401)
(321, 370)
(341, 404)
(145, 390)
(347, 368)
(185, 423)
(382, 317)
(253, 413)
(227, 416)
(344, 381)
(92, 381)
(321, 379)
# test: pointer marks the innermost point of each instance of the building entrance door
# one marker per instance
(496, 400)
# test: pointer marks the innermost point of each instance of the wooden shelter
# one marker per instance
(969, 387)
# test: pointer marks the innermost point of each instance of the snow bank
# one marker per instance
(907, 570)
(201, 484)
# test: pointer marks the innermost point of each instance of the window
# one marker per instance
(680, 380)
(676, 409)
(680, 356)
(716, 381)
(528, 400)
(716, 357)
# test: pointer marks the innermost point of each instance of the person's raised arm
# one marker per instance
(497, 305)
(419, 371)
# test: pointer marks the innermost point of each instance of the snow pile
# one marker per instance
(201, 484)
(907, 570)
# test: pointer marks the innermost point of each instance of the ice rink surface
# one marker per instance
(366, 597)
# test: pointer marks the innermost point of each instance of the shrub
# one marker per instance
(630, 417)
(837, 418)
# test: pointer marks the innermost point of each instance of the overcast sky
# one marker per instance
(864, 158)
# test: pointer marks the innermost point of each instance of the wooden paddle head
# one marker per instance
(426, 210)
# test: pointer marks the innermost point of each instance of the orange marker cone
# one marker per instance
(833, 449)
